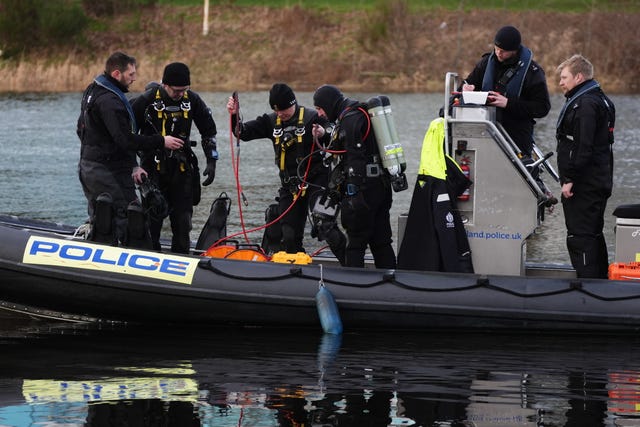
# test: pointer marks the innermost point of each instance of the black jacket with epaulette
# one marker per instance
(106, 131)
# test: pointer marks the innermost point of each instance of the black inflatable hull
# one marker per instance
(44, 266)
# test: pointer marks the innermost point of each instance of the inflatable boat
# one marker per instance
(47, 267)
(43, 266)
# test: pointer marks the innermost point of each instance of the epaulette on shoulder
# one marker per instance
(151, 85)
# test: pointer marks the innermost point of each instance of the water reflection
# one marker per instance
(293, 378)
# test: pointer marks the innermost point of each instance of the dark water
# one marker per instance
(120, 375)
(138, 376)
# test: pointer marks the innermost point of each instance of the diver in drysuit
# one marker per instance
(303, 174)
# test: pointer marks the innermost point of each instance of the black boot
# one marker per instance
(138, 235)
(102, 222)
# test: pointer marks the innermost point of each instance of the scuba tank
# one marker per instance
(386, 134)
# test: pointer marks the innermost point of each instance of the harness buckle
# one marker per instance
(159, 105)
(373, 170)
(302, 188)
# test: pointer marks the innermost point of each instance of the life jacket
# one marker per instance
(86, 105)
(512, 80)
(96, 145)
(611, 109)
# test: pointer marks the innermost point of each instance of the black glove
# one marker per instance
(209, 171)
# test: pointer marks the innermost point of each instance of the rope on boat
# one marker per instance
(236, 172)
(389, 277)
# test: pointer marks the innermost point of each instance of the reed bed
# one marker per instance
(385, 49)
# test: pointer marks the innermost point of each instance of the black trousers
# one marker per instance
(292, 224)
(584, 219)
(175, 183)
(113, 178)
(370, 227)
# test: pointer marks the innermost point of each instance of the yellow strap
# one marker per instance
(283, 151)
(300, 124)
(277, 142)
(185, 113)
(161, 114)
(278, 124)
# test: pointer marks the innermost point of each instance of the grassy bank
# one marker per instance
(392, 46)
(575, 6)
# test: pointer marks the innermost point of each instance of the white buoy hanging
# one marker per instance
(327, 309)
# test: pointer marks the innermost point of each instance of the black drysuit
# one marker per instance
(108, 149)
(298, 160)
(365, 214)
(585, 158)
(175, 172)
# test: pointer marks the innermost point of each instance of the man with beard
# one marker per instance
(108, 166)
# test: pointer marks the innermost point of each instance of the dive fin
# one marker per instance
(216, 226)
(272, 237)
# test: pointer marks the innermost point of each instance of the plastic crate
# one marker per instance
(624, 271)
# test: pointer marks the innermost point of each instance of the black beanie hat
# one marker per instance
(176, 74)
(508, 38)
(281, 97)
(328, 97)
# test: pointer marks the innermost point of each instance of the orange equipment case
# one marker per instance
(624, 271)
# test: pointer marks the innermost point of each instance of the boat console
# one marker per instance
(505, 203)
